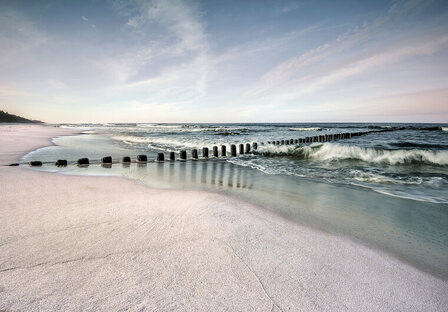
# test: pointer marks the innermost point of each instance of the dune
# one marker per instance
(78, 243)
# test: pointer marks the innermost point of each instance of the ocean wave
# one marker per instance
(157, 142)
(418, 145)
(306, 129)
(337, 152)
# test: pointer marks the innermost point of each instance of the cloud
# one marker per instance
(122, 67)
(289, 7)
(84, 18)
(180, 61)
(311, 63)
(421, 46)
(56, 84)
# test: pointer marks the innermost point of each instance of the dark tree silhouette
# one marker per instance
(6, 117)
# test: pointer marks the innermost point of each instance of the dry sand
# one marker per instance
(70, 243)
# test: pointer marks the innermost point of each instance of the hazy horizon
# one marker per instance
(225, 62)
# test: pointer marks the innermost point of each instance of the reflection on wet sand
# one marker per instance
(396, 225)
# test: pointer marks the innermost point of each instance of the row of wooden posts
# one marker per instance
(242, 149)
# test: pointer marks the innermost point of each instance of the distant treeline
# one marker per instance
(6, 117)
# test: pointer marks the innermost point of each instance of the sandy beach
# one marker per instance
(72, 243)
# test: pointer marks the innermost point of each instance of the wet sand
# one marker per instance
(107, 243)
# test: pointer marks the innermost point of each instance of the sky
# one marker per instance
(225, 61)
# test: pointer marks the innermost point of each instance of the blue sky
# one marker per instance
(225, 61)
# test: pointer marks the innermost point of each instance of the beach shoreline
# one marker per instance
(108, 243)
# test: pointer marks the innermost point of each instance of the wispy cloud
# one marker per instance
(317, 61)
(377, 60)
(183, 44)
(84, 18)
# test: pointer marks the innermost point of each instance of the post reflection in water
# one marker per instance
(391, 223)
(195, 174)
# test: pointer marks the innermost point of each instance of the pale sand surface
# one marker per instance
(71, 243)
(19, 139)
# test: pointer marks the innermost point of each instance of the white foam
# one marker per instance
(306, 129)
(335, 151)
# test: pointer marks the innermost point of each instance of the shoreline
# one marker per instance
(30, 138)
(181, 250)
(221, 177)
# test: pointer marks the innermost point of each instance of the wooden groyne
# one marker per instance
(217, 152)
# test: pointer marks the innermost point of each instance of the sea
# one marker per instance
(387, 190)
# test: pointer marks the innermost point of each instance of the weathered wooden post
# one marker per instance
(223, 151)
(247, 148)
(142, 158)
(126, 160)
(255, 145)
(183, 155)
(172, 156)
(194, 154)
(233, 150)
(61, 163)
(241, 148)
(35, 163)
(215, 151)
(277, 142)
(106, 160)
(160, 157)
(83, 162)
(205, 152)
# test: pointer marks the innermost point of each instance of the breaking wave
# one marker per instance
(306, 129)
(337, 152)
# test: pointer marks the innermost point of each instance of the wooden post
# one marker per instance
(233, 150)
(35, 163)
(126, 160)
(106, 160)
(241, 147)
(83, 162)
(142, 158)
(215, 151)
(255, 145)
(61, 163)
(205, 152)
(223, 151)
(183, 155)
(194, 154)
(160, 157)
(172, 156)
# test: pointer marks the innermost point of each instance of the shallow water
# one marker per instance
(336, 187)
